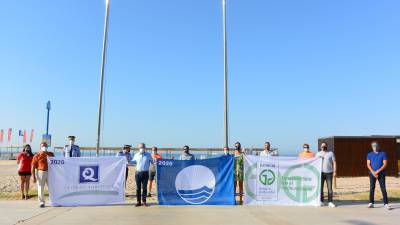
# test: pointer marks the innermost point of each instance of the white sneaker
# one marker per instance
(387, 206)
(371, 205)
(330, 204)
(321, 204)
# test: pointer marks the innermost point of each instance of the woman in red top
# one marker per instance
(24, 161)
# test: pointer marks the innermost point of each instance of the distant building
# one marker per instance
(351, 153)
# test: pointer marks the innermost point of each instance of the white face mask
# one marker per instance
(374, 148)
(72, 143)
(44, 149)
(305, 149)
(141, 150)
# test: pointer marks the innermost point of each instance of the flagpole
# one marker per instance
(103, 61)
(226, 127)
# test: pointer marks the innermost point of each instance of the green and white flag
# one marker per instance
(282, 181)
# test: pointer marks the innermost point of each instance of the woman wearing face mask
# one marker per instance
(39, 171)
(239, 171)
(306, 153)
(24, 161)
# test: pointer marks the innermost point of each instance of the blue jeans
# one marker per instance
(382, 183)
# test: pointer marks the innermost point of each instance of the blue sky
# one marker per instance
(298, 70)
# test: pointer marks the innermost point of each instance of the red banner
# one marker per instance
(24, 137)
(1, 135)
(9, 134)
(31, 137)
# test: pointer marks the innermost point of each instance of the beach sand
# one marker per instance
(349, 188)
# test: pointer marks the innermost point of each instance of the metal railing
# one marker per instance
(10, 152)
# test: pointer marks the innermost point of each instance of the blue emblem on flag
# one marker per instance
(88, 174)
(196, 182)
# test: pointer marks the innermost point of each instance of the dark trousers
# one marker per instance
(141, 178)
(328, 178)
(126, 175)
(382, 183)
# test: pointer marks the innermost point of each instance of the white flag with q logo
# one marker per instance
(86, 181)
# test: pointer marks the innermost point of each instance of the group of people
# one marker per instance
(35, 165)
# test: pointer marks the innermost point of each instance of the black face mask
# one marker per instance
(324, 148)
(186, 151)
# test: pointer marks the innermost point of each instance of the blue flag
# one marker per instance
(196, 182)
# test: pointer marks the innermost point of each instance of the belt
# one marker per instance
(142, 171)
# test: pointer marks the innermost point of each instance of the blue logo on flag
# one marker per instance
(196, 182)
(88, 174)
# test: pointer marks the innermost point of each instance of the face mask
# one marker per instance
(72, 143)
(141, 150)
(324, 148)
(44, 149)
(374, 148)
(186, 151)
(305, 149)
(154, 152)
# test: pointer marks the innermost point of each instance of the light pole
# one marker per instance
(48, 107)
(103, 61)
(226, 125)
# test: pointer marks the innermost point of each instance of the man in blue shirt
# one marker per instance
(143, 160)
(72, 150)
(376, 163)
(126, 152)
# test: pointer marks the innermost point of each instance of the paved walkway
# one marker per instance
(27, 212)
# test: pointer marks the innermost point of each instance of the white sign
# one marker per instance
(282, 180)
(86, 181)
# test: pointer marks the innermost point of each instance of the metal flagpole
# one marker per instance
(226, 127)
(103, 61)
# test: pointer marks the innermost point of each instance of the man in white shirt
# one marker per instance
(268, 151)
(143, 160)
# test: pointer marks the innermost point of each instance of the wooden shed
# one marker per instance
(351, 153)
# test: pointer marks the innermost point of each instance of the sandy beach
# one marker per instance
(349, 188)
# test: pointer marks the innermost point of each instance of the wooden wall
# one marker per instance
(351, 154)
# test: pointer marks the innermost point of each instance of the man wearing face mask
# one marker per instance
(72, 150)
(327, 173)
(226, 150)
(306, 153)
(186, 155)
(376, 164)
(143, 160)
(268, 151)
(126, 153)
(39, 171)
(152, 171)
